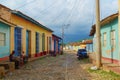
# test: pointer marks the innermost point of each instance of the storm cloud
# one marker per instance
(79, 14)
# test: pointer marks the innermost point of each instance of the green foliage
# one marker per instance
(104, 73)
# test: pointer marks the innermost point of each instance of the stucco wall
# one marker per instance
(5, 13)
(26, 25)
(108, 51)
(5, 50)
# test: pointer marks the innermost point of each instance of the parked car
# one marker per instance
(82, 53)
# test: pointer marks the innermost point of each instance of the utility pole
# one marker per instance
(63, 29)
(119, 26)
(62, 38)
(98, 36)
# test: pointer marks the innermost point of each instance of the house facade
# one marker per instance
(56, 43)
(76, 45)
(5, 30)
(21, 33)
(109, 39)
(89, 46)
(29, 35)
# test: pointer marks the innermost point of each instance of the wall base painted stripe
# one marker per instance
(110, 60)
(4, 58)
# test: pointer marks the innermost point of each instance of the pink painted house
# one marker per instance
(56, 42)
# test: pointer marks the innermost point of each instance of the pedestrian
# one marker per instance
(22, 58)
(12, 58)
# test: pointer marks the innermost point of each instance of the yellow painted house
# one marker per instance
(25, 34)
(34, 36)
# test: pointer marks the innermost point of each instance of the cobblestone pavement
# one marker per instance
(62, 67)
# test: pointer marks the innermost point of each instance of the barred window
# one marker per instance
(2, 39)
(104, 39)
(113, 38)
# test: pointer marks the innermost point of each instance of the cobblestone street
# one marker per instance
(61, 67)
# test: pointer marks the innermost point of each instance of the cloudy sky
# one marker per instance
(76, 16)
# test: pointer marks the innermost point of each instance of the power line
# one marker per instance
(25, 4)
(93, 17)
(83, 3)
(70, 12)
(58, 15)
(1, 1)
(44, 10)
(78, 4)
(71, 15)
(55, 19)
(37, 7)
(66, 24)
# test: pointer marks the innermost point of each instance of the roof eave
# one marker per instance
(18, 13)
(103, 22)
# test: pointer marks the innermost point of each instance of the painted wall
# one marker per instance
(89, 48)
(76, 47)
(5, 50)
(52, 44)
(5, 13)
(55, 44)
(26, 25)
(94, 44)
(108, 51)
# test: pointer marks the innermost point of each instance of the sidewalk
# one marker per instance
(111, 67)
(107, 66)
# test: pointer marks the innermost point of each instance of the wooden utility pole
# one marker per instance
(63, 29)
(62, 38)
(119, 25)
(98, 36)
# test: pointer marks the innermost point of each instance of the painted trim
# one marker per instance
(6, 22)
(110, 60)
(4, 58)
(19, 26)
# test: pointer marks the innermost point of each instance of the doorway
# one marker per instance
(28, 43)
(18, 41)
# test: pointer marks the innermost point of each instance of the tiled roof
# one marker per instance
(56, 36)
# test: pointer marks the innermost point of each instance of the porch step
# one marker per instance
(8, 65)
(2, 72)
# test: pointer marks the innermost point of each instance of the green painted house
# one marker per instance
(109, 39)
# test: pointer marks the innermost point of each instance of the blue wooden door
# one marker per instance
(58, 45)
(27, 42)
(18, 39)
(37, 42)
(54, 46)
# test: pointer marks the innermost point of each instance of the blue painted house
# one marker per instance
(109, 39)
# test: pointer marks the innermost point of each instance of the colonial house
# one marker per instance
(21, 33)
(76, 45)
(109, 39)
(5, 30)
(56, 43)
